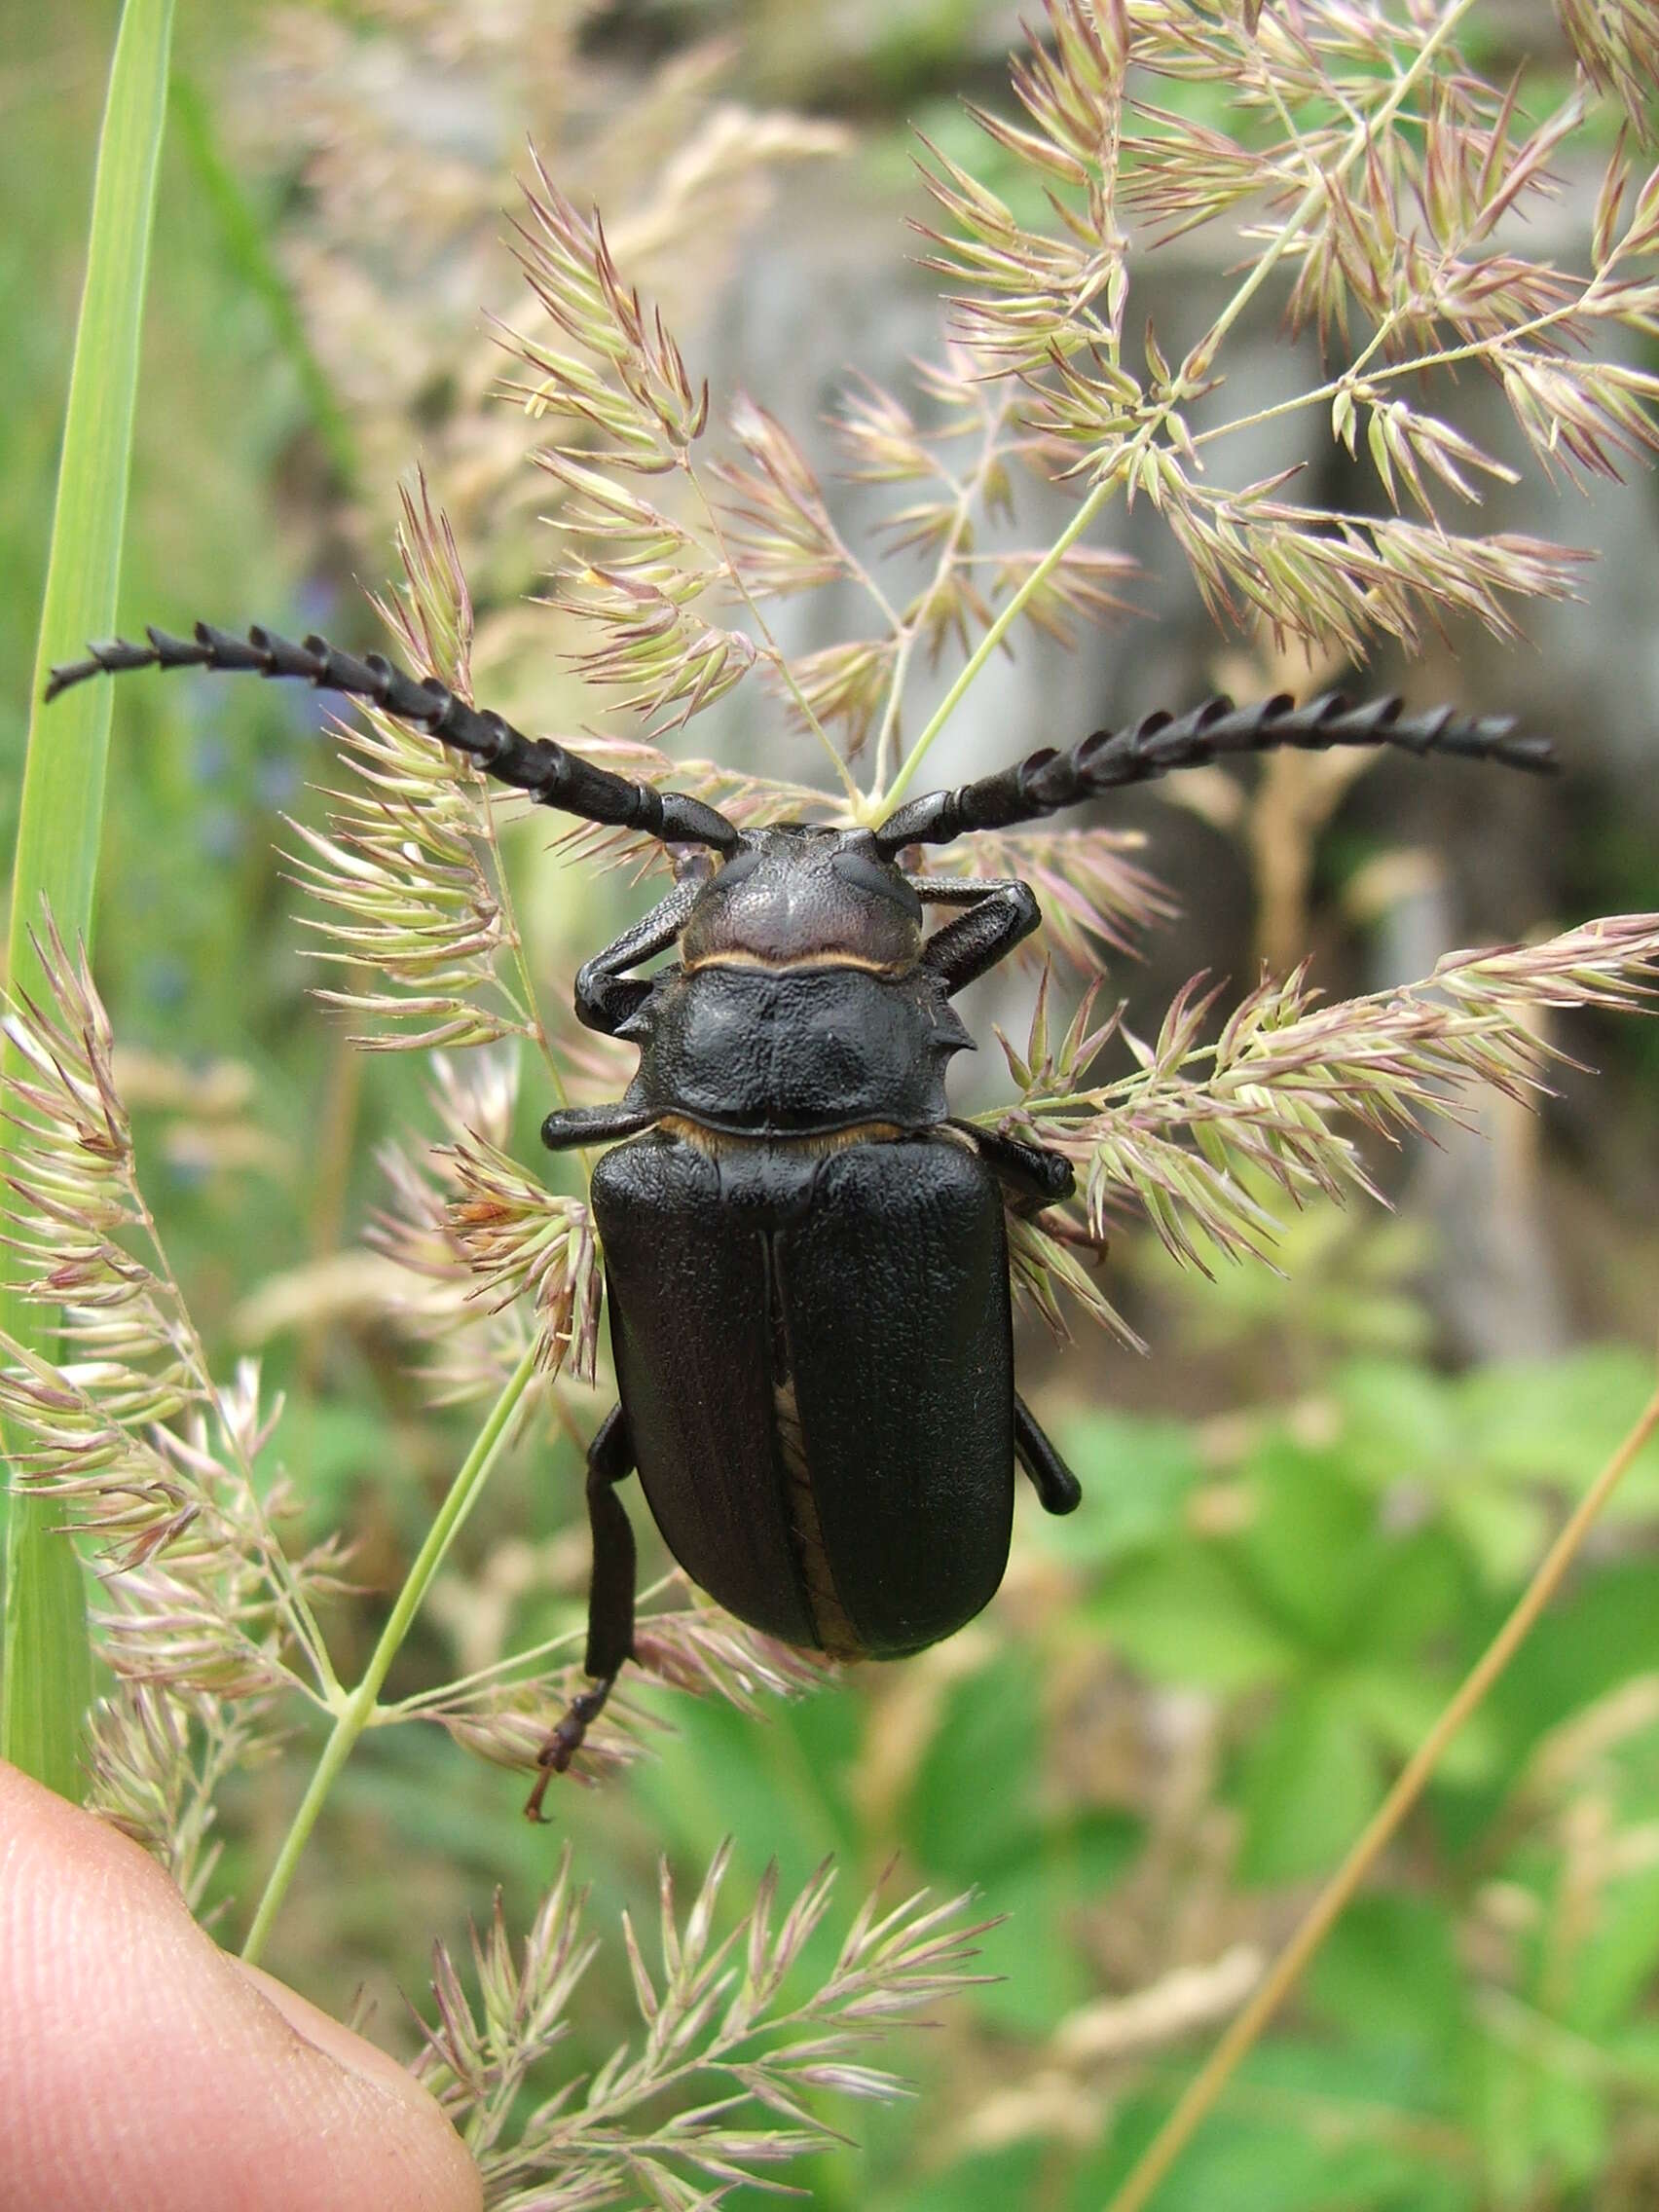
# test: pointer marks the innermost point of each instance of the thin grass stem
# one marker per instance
(503, 1669)
(356, 1712)
(883, 802)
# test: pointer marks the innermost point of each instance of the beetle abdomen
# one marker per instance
(813, 1350)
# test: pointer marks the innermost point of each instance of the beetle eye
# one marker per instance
(869, 875)
(737, 871)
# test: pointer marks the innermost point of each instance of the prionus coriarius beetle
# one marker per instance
(805, 1255)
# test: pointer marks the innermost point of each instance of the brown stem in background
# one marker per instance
(1327, 1908)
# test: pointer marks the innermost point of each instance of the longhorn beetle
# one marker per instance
(805, 1255)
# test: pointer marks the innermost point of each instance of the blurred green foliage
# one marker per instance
(1190, 1696)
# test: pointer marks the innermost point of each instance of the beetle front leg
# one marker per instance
(611, 1599)
(1002, 911)
(604, 999)
(1057, 1487)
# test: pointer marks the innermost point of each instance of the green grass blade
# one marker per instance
(46, 1683)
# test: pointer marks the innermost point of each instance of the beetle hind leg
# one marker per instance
(611, 1601)
(1057, 1487)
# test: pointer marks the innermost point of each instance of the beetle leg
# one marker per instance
(1057, 1486)
(1031, 1175)
(956, 890)
(574, 1125)
(611, 1599)
(604, 1000)
(1000, 913)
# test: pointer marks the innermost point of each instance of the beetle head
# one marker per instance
(800, 893)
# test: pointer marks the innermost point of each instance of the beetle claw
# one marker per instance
(566, 1740)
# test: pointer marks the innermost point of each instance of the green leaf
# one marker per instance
(47, 1663)
(1596, 1637)
(1615, 1963)
(1535, 2119)
(1634, 2053)
(1560, 1422)
(341, 1445)
(770, 1784)
(1419, 1594)
(1136, 1476)
(1400, 1705)
(1387, 1980)
(1189, 1619)
(1043, 1970)
(976, 1817)
(973, 1811)
(981, 2178)
(1308, 1784)
(258, 272)
(1505, 1530)
(1316, 2142)
(1311, 1544)
(1399, 1422)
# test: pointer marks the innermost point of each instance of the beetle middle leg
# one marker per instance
(1035, 1178)
(1032, 1177)
(1056, 1487)
(611, 1599)
(1031, 1174)
(571, 1126)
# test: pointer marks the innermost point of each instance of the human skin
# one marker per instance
(141, 2066)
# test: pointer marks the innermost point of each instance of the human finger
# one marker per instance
(141, 2066)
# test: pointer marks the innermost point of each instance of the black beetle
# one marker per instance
(805, 1255)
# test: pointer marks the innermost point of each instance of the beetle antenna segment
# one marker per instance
(1050, 780)
(537, 765)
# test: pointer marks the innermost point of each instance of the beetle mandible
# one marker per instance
(805, 1255)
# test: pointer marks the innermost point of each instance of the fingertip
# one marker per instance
(137, 2060)
(456, 2182)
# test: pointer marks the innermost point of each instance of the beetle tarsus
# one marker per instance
(611, 1601)
(1077, 1233)
(565, 1740)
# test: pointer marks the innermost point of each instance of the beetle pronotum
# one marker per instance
(805, 1255)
